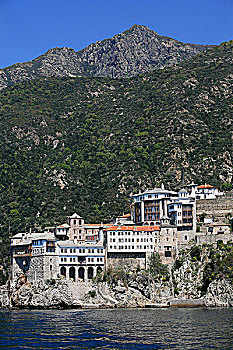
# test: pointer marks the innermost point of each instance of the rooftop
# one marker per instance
(133, 228)
(156, 190)
(63, 226)
(205, 186)
(75, 216)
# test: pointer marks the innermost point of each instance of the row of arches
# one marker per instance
(82, 273)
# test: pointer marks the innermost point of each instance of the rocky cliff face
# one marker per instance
(200, 276)
(69, 294)
(137, 50)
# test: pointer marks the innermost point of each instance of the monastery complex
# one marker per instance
(161, 221)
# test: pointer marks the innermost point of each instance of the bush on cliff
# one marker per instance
(156, 268)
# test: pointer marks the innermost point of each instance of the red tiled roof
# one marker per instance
(133, 228)
(125, 216)
(205, 186)
(92, 225)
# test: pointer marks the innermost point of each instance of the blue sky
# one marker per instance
(28, 28)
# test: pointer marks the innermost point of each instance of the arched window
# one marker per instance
(90, 272)
(63, 271)
(81, 273)
(72, 272)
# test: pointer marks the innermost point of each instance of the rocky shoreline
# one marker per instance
(200, 277)
(63, 293)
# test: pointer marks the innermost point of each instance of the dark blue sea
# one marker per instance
(117, 329)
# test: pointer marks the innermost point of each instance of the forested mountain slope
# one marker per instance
(135, 51)
(84, 144)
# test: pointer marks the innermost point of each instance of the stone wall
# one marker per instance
(126, 259)
(51, 266)
(181, 237)
(210, 238)
(218, 208)
(36, 270)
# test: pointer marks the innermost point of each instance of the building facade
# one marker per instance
(61, 251)
(161, 221)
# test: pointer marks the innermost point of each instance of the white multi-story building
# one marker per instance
(149, 206)
(203, 191)
(133, 245)
(182, 213)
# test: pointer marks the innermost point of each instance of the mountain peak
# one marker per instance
(141, 27)
(137, 50)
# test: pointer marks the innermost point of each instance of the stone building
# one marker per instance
(34, 254)
(133, 245)
(58, 252)
(217, 231)
(161, 221)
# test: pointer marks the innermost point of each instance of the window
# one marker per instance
(65, 250)
(62, 250)
(186, 237)
(168, 254)
(74, 222)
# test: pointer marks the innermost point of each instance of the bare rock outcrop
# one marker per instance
(219, 294)
(135, 51)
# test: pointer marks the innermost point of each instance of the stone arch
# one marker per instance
(90, 272)
(81, 273)
(72, 272)
(63, 271)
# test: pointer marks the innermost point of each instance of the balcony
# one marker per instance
(22, 253)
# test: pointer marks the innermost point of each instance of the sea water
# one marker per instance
(117, 329)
